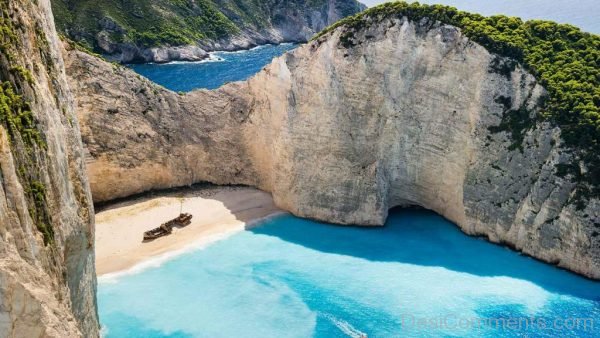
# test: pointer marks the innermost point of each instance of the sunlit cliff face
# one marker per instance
(408, 115)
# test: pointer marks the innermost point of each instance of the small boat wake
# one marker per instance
(344, 326)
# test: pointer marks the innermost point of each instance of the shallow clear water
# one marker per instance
(221, 68)
(581, 13)
(417, 277)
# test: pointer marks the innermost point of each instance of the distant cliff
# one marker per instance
(165, 30)
(47, 274)
(384, 110)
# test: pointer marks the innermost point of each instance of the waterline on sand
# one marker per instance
(199, 244)
(217, 212)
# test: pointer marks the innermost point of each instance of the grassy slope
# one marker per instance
(147, 22)
(563, 58)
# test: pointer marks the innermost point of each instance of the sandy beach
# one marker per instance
(217, 212)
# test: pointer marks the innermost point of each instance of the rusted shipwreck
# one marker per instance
(167, 228)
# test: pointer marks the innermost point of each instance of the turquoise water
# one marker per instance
(417, 277)
(581, 13)
(212, 73)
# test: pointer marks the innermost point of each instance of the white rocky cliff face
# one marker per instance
(408, 114)
(47, 276)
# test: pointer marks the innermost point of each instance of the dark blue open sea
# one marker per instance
(222, 67)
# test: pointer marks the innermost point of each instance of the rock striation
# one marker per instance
(47, 274)
(408, 114)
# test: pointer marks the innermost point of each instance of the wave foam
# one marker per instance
(211, 58)
(103, 331)
(244, 50)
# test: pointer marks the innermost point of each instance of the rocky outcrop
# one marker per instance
(291, 21)
(409, 115)
(187, 30)
(127, 53)
(47, 276)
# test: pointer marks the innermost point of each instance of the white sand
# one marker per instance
(217, 212)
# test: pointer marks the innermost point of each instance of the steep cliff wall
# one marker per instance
(163, 30)
(47, 277)
(409, 114)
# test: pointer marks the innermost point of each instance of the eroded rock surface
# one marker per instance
(47, 276)
(407, 115)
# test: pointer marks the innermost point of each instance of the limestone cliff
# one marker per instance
(47, 277)
(167, 30)
(407, 115)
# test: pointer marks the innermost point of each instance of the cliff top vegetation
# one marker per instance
(150, 23)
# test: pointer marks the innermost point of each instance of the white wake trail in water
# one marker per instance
(344, 326)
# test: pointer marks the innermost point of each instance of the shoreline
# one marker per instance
(211, 56)
(204, 59)
(218, 212)
(199, 244)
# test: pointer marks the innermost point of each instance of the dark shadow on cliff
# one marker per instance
(242, 208)
(421, 237)
(241, 211)
(197, 188)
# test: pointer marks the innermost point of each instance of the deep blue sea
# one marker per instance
(417, 277)
(221, 68)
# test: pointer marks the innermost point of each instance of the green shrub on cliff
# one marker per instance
(145, 22)
(16, 118)
(150, 23)
(564, 59)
